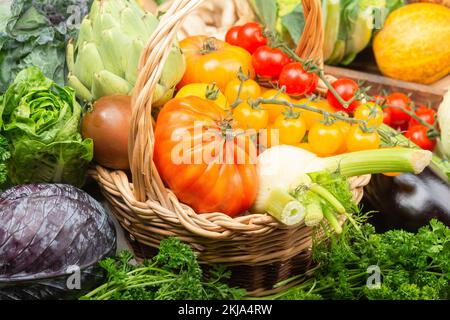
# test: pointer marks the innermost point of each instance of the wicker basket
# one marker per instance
(259, 250)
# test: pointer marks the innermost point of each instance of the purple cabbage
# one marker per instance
(46, 232)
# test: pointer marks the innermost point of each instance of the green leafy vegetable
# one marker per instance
(348, 24)
(266, 11)
(41, 120)
(412, 266)
(173, 274)
(34, 33)
(331, 10)
(4, 157)
(292, 24)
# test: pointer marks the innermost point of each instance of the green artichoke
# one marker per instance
(104, 60)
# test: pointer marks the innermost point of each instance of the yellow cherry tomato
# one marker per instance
(264, 90)
(269, 137)
(275, 110)
(325, 139)
(305, 146)
(371, 113)
(249, 117)
(358, 140)
(250, 90)
(345, 128)
(204, 91)
(311, 117)
(291, 130)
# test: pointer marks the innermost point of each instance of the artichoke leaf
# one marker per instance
(86, 34)
(136, 48)
(82, 92)
(70, 56)
(88, 63)
(133, 24)
(114, 51)
(106, 83)
(150, 21)
(118, 30)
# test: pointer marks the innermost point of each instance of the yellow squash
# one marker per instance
(414, 44)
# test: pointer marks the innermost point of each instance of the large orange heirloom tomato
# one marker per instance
(210, 60)
(208, 163)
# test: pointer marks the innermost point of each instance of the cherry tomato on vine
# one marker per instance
(347, 89)
(395, 101)
(250, 90)
(345, 129)
(428, 115)
(232, 35)
(249, 117)
(250, 37)
(387, 116)
(380, 100)
(418, 134)
(371, 113)
(269, 62)
(358, 140)
(343, 126)
(274, 110)
(291, 130)
(297, 81)
(311, 117)
(325, 139)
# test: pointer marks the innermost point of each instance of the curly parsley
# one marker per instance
(413, 266)
(173, 274)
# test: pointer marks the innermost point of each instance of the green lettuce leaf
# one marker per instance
(41, 121)
(4, 157)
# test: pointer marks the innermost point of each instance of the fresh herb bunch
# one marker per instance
(173, 274)
(413, 266)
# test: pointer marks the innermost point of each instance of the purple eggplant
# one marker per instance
(407, 201)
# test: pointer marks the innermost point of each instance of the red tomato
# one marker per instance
(251, 37)
(347, 89)
(269, 62)
(232, 35)
(395, 101)
(380, 100)
(419, 135)
(387, 116)
(426, 114)
(297, 81)
(210, 169)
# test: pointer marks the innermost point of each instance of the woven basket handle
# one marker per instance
(151, 64)
(310, 45)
